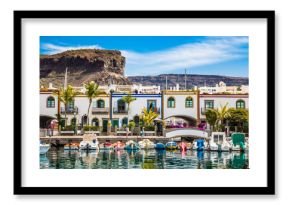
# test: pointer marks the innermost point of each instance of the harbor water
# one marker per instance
(143, 159)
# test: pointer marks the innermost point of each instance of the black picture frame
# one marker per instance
(268, 190)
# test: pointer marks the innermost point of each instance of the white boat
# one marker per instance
(43, 148)
(146, 144)
(218, 142)
(89, 145)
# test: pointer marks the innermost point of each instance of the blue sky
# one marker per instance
(153, 55)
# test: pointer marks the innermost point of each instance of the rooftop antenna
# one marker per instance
(65, 79)
(185, 79)
(166, 83)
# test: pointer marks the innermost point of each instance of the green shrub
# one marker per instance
(149, 128)
(131, 124)
(91, 128)
(68, 128)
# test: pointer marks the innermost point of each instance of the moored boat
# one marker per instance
(146, 144)
(131, 145)
(171, 145)
(200, 144)
(89, 145)
(238, 142)
(43, 148)
(71, 146)
(119, 145)
(106, 146)
(218, 142)
(159, 146)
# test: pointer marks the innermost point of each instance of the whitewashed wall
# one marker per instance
(223, 100)
(137, 105)
(44, 110)
(82, 103)
(180, 108)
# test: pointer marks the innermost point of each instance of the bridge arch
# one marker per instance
(191, 121)
(187, 132)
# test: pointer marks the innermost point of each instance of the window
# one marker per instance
(171, 102)
(70, 106)
(151, 105)
(50, 102)
(240, 104)
(125, 121)
(209, 104)
(188, 102)
(101, 103)
(121, 105)
(95, 122)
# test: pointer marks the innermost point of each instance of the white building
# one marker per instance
(215, 101)
(221, 87)
(180, 106)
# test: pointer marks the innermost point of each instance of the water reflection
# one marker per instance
(143, 159)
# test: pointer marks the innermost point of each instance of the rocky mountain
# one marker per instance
(108, 66)
(83, 65)
(191, 80)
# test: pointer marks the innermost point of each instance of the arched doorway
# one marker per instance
(45, 120)
(84, 120)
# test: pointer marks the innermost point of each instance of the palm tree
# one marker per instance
(66, 95)
(128, 99)
(92, 91)
(222, 113)
(148, 116)
(211, 118)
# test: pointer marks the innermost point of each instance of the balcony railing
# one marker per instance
(69, 110)
(203, 110)
(96, 110)
(120, 111)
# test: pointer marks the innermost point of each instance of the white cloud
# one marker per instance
(207, 52)
(53, 49)
(211, 50)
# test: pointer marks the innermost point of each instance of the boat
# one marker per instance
(71, 146)
(171, 145)
(89, 144)
(159, 146)
(238, 142)
(218, 142)
(183, 146)
(106, 146)
(119, 145)
(146, 144)
(199, 144)
(131, 145)
(43, 148)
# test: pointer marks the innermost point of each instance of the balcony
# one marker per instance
(69, 110)
(120, 111)
(98, 110)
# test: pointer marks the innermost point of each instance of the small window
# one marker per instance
(125, 121)
(209, 104)
(240, 104)
(50, 102)
(188, 102)
(101, 103)
(171, 102)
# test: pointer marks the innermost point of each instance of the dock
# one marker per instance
(62, 139)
